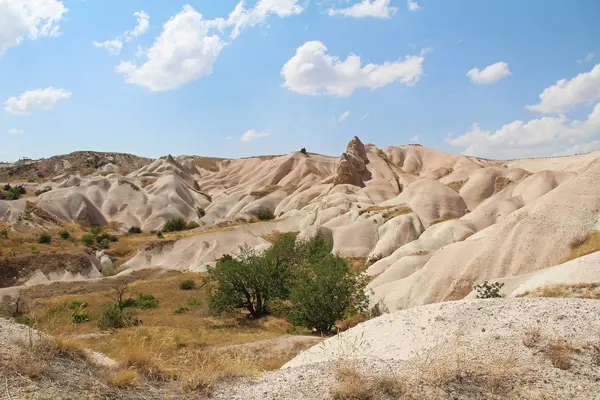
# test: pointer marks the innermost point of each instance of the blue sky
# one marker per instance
(231, 80)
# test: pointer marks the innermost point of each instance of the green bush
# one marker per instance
(76, 304)
(106, 236)
(44, 238)
(187, 284)
(4, 233)
(79, 317)
(264, 214)
(12, 192)
(104, 244)
(160, 235)
(489, 291)
(87, 239)
(193, 302)
(64, 234)
(25, 319)
(95, 229)
(180, 310)
(127, 303)
(134, 230)
(192, 225)
(114, 318)
(35, 250)
(175, 225)
(303, 150)
(145, 301)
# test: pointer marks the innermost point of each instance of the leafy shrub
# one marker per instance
(489, 291)
(187, 284)
(114, 318)
(87, 239)
(145, 301)
(79, 317)
(25, 319)
(12, 192)
(265, 214)
(303, 150)
(104, 244)
(374, 258)
(106, 236)
(76, 304)
(193, 302)
(127, 303)
(175, 225)
(4, 233)
(44, 238)
(201, 212)
(192, 225)
(64, 234)
(180, 310)
(95, 230)
(160, 235)
(35, 250)
(134, 230)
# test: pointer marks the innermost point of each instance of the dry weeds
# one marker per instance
(123, 378)
(443, 219)
(561, 354)
(353, 385)
(583, 245)
(457, 185)
(531, 338)
(575, 290)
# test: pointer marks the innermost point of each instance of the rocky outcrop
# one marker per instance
(351, 168)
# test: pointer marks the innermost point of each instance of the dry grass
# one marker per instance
(193, 348)
(275, 235)
(457, 185)
(501, 183)
(264, 191)
(388, 212)
(209, 163)
(353, 385)
(443, 219)
(531, 338)
(583, 245)
(576, 290)
(561, 353)
(123, 378)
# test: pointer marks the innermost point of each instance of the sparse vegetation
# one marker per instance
(25, 319)
(584, 245)
(134, 230)
(442, 219)
(264, 214)
(457, 185)
(44, 238)
(303, 150)
(487, 290)
(87, 240)
(388, 212)
(79, 317)
(64, 234)
(180, 310)
(264, 191)
(354, 385)
(4, 233)
(95, 230)
(113, 317)
(531, 338)
(123, 378)
(192, 225)
(576, 290)
(175, 225)
(560, 353)
(145, 301)
(187, 284)
(12, 192)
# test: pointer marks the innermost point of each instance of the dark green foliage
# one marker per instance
(187, 284)
(326, 292)
(192, 225)
(193, 302)
(25, 319)
(104, 244)
(12, 192)
(44, 238)
(95, 230)
(145, 301)
(180, 310)
(4, 233)
(106, 236)
(264, 214)
(134, 230)
(127, 303)
(76, 304)
(175, 225)
(63, 233)
(79, 317)
(489, 290)
(87, 239)
(303, 150)
(160, 235)
(113, 317)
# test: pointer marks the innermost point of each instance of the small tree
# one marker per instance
(175, 225)
(64, 234)
(135, 230)
(303, 150)
(326, 292)
(264, 214)
(187, 284)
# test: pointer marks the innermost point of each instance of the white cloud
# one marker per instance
(364, 116)
(344, 116)
(537, 137)
(115, 45)
(366, 8)
(414, 139)
(31, 19)
(32, 100)
(242, 17)
(143, 23)
(15, 132)
(312, 71)
(565, 94)
(185, 51)
(489, 74)
(587, 58)
(413, 5)
(252, 134)
(582, 148)
(111, 46)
